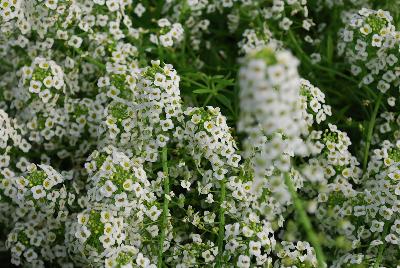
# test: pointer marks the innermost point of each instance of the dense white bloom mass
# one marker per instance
(199, 133)
(271, 113)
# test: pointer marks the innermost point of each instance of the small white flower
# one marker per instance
(83, 218)
(30, 255)
(107, 241)
(166, 40)
(82, 233)
(35, 86)
(243, 261)
(128, 185)
(366, 29)
(139, 10)
(142, 261)
(166, 124)
(121, 200)
(153, 213)
(376, 40)
(377, 226)
(108, 189)
(106, 216)
(255, 248)
(185, 184)
(38, 192)
(48, 82)
(208, 256)
(45, 95)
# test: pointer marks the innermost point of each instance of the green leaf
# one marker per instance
(203, 91)
(225, 101)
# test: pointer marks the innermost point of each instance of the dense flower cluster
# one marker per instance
(199, 133)
(271, 114)
(371, 45)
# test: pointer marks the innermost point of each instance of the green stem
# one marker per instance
(221, 227)
(164, 159)
(370, 131)
(90, 59)
(95, 62)
(381, 248)
(305, 221)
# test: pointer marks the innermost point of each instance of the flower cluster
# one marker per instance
(271, 114)
(44, 78)
(168, 33)
(370, 44)
(199, 133)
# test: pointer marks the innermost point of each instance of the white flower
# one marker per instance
(159, 80)
(255, 248)
(108, 189)
(348, 36)
(393, 239)
(166, 40)
(137, 188)
(208, 256)
(121, 200)
(52, 4)
(30, 255)
(377, 226)
(106, 216)
(139, 10)
(243, 261)
(103, 81)
(38, 191)
(185, 184)
(48, 82)
(75, 41)
(45, 95)
(166, 124)
(366, 29)
(83, 218)
(142, 261)
(35, 86)
(153, 213)
(107, 241)
(128, 185)
(376, 40)
(82, 233)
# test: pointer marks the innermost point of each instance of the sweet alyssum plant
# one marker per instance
(199, 133)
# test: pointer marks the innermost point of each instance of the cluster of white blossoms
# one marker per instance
(11, 136)
(254, 41)
(207, 136)
(146, 108)
(9, 10)
(44, 78)
(371, 45)
(271, 114)
(169, 33)
(182, 134)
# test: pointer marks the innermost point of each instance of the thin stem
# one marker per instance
(164, 159)
(370, 131)
(305, 222)
(381, 248)
(90, 59)
(221, 227)
(95, 62)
